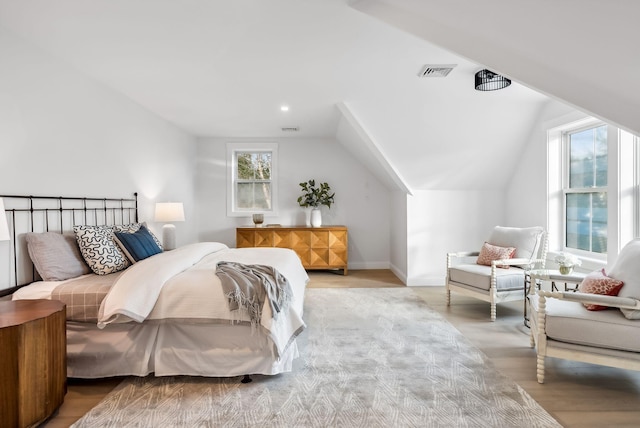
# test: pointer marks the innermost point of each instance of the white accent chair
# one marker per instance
(562, 327)
(491, 283)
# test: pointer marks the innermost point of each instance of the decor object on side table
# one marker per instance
(258, 219)
(314, 197)
(168, 212)
(566, 262)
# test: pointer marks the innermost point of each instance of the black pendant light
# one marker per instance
(487, 80)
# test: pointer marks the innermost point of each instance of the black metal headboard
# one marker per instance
(53, 214)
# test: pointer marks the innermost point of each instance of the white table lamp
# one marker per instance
(168, 212)
(4, 227)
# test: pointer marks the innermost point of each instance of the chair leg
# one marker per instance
(493, 311)
(540, 368)
(448, 296)
(532, 340)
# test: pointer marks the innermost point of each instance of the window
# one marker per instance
(252, 172)
(585, 189)
(593, 193)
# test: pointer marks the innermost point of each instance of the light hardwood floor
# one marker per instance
(576, 394)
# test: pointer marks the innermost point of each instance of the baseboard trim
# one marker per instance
(397, 272)
(426, 281)
(368, 265)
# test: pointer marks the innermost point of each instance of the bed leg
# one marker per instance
(246, 379)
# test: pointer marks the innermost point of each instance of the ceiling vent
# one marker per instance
(290, 129)
(436, 70)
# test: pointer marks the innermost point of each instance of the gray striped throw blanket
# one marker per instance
(247, 286)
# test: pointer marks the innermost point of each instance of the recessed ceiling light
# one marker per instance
(284, 108)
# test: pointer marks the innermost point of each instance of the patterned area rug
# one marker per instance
(369, 358)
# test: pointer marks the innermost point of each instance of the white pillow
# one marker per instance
(526, 240)
(627, 269)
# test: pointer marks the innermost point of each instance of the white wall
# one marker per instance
(399, 235)
(362, 203)
(63, 134)
(442, 221)
(526, 193)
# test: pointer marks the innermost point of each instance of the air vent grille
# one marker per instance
(436, 70)
(290, 129)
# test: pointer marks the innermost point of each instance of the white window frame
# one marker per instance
(557, 172)
(623, 183)
(242, 147)
(566, 154)
(630, 187)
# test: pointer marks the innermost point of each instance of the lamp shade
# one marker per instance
(167, 212)
(487, 80)
(4, 227)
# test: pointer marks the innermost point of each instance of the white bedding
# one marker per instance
(169, 349)
(41, 289)
(180, 319)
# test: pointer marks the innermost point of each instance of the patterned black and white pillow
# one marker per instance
(99, 249)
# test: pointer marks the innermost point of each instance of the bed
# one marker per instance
(166, 313)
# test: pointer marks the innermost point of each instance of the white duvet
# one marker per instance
(182, 285)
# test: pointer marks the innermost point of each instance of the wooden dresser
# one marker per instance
(33, 360)
(324, 247)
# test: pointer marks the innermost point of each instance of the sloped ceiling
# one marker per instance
(583, 52)
(223, 69)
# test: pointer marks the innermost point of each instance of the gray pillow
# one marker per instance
(56, 256)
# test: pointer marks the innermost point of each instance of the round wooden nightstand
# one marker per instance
(33, 360)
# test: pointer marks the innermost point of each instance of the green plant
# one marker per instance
(313, 196)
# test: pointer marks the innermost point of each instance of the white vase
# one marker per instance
(316, 217)
(565, 270)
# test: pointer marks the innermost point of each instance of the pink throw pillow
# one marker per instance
(598, 282)
(489, 253)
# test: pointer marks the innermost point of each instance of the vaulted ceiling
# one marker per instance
(224, 69)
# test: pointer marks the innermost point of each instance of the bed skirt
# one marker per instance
(212, 350)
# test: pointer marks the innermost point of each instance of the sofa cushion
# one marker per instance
(526, 240)
(571, 322)
(489, 253)
(627, 269)
(479, 276)
(598, 283)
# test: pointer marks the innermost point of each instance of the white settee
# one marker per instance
(562, 327)
(491, 283)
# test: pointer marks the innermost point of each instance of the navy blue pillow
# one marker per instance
(138, 245)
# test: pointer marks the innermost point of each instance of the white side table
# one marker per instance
(534, 278)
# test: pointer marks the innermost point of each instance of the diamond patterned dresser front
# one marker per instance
(318, 247)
